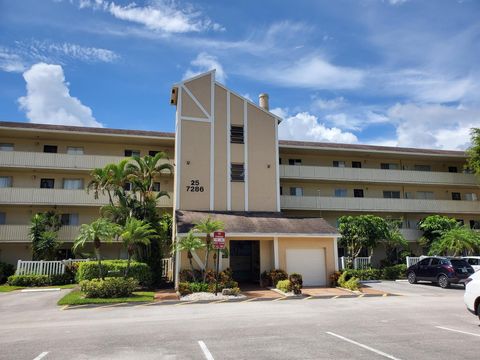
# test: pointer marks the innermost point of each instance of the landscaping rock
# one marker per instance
(209, 296)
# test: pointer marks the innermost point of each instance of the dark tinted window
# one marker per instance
(452, 169)
(435, 261)
(237, 172)
(356, 164)
(153, 152)
(472, 261)
(358, 193)
(458, 263)
(236, 134)
(50, 148)
(47, 183)
(456, 196)
(424, 262)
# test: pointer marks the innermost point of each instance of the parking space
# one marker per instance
(424, 323)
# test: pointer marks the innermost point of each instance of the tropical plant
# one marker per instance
(363, 231)
(135, 233)
(393, 240)
(190, 243)
(434, 227)
(43, 234)
(473, 152)
(100, 230)
(456, 241)
(207, 226)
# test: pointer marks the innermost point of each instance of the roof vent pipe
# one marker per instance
(263, 101)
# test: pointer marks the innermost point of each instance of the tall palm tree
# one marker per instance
(146, 169)
(134, 233)
(207, 226)
(101, 230)
(190, 243)
(456, 242)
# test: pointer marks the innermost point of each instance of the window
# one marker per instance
(69, 219)
(3, 218)
(156, 186)
(388, 166)
(73, 184)
(425, 195)
(281, 190)
(341, 192)
(475, 224)
(6, 147)
(127, 186)
(473, 261)
(153, 152)
(47, 183)
(237, 172)
(471, 197)
(280, 161)
(356, 164)
(294, 161)
(408, 195)
(452, 169)
(130, 153)
(391, 194)
(50, 148)
(5, 181)
(435, 262)
(456, 196)
(296, 191)
(422, 168)
(424, 262)
(337, 163)
(358, 193)
(460, 222)
(74, 150)
(236, 134)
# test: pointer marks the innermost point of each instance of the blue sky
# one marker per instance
(388, 72)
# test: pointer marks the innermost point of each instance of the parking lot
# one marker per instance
(425, 322)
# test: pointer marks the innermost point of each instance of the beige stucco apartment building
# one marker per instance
(279, 200)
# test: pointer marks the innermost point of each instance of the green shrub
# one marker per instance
(6, 270)
(186, 275)
(272, 277)
(110, 287)
(348, 281)
(296, 283)
(394, 272)
(29, 280)
(115, 268)
(62, 279)
(184, 288)
(198, 287)
(365, 274)
(284, 285)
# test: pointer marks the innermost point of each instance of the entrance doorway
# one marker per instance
(245, 260)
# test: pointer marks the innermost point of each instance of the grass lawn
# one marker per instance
(76, 298)
(8, 288)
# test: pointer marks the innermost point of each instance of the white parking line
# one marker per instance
(204, 348)
(41, 356)
(364, 346)
(459, 331)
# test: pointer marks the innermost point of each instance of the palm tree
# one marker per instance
(207, 226)
(134, 233)
(456, 241)
(101, 230)
(146, 169)
(190, 243)
(43, 234)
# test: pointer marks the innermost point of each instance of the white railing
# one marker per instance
(167, 268)
(361, 262)
(412, 260)
(42, 267)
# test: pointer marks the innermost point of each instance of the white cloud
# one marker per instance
(305, 126)
(312, 72)
(161, 15)
(48, 98)
(433, 125)
(205, 62)
(10, 62)
(397, 2)
(75, 51)
(328, 104)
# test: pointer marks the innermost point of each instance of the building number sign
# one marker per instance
(195, 186)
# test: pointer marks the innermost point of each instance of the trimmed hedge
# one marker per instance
(29, 280)
(115, 268)
(6, 270)
(395, 272)
(284, 285)
(387, 273)
(110, 287)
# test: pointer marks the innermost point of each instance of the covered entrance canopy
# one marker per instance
(295, 244)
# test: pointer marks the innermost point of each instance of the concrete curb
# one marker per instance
(39, 290)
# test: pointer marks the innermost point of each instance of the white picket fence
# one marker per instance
(44, 267)
(412, 260)
(360, 262)
(167, 268)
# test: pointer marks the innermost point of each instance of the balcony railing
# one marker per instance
(379, 205)
(40, 160)
(376, 175)
(32, 196)
(19, 233)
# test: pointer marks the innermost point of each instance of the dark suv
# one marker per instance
(441, 270)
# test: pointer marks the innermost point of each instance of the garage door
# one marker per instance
(310, 263)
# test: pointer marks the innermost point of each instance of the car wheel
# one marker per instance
(443, 281)
(412, 278)
(478, 310)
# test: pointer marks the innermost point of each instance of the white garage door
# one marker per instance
(310, 263)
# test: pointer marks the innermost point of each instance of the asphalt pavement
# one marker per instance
(425, 322)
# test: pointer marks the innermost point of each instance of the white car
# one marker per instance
(472, 294)
(474, 261)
